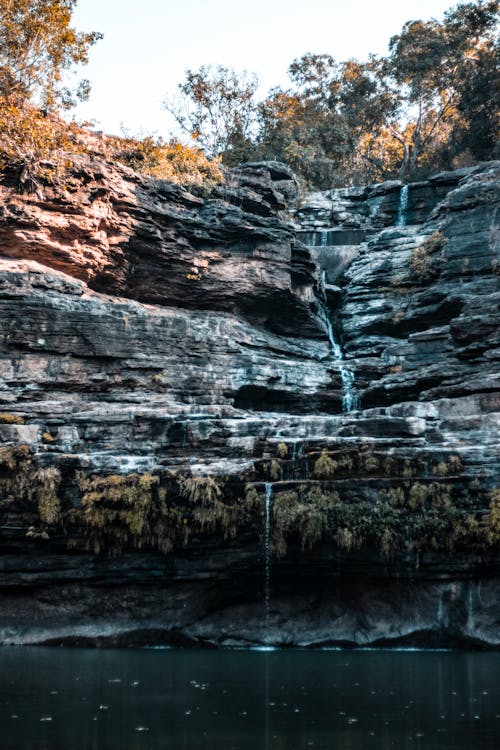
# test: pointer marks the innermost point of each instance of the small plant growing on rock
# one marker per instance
(408, 470)
(389, 465)
(274, 470)
(282, 450)
(200, 490)
(304, 516)
(422, 263)
(210, 511)
(324, 466)
(370, 463)
(455, 464)
(6, 418)
(124, 510)
(493, 518)
(417, 496)
(49, 505)
(441, 469)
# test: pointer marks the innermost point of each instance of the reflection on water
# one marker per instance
(62, 699)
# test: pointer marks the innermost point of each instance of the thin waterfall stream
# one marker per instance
(350, 401)
(403, 206)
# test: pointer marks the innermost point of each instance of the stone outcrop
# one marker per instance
(149, 336)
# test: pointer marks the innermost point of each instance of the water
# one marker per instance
(63, 699)
(349, 397)
(350, 401)
(267, 545)
(403, 206)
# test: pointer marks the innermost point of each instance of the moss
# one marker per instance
(324, 467)
(304, 516)
(417, 496)
(370, 463)
(124, 510)
(204, 490)
(282, 450)
(395, 496)
(210, 511)
(441, 469)
(252, 498)
(408, 469)
(492, 524)
(345, 463)
(389, 466)
(29, 491)
(6, 418)
(453, 465)
(49, 505)
(13, 456)
(274, 470)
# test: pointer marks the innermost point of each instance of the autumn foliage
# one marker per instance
(430, 104)
(172, 161)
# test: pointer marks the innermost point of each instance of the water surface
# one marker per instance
(132, 699)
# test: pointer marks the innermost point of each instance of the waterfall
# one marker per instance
(349, 397)
(267, 544)
(403, 206)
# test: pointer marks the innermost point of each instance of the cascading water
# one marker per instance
(350, 401)
(349, 397)
(267, 544)
(403, 206)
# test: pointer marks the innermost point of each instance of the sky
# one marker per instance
(149, 44)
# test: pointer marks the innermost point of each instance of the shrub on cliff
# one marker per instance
(185, 165)
(37, 45)
(424, 261)
(34, 145)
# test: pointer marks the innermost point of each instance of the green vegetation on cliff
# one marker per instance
(109, 514)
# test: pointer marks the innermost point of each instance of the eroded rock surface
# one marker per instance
(145, 331)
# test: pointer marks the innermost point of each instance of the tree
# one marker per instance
(427, 67)
(217, 108)
(430, 103)
(302, 133)
(317, 127)
(37, 44)
(477, 103)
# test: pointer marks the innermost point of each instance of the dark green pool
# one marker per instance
(63, 699)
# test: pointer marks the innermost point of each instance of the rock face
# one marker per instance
(167, 381)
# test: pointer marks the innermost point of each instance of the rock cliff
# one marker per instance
(175, 461)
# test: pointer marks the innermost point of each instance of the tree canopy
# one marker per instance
(37, 44)
(432, 102)
(216, 107)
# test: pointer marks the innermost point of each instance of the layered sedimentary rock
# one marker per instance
(169, 395)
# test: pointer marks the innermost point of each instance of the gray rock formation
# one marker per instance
(164, 358)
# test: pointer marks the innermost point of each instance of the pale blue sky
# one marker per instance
(148, 45)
